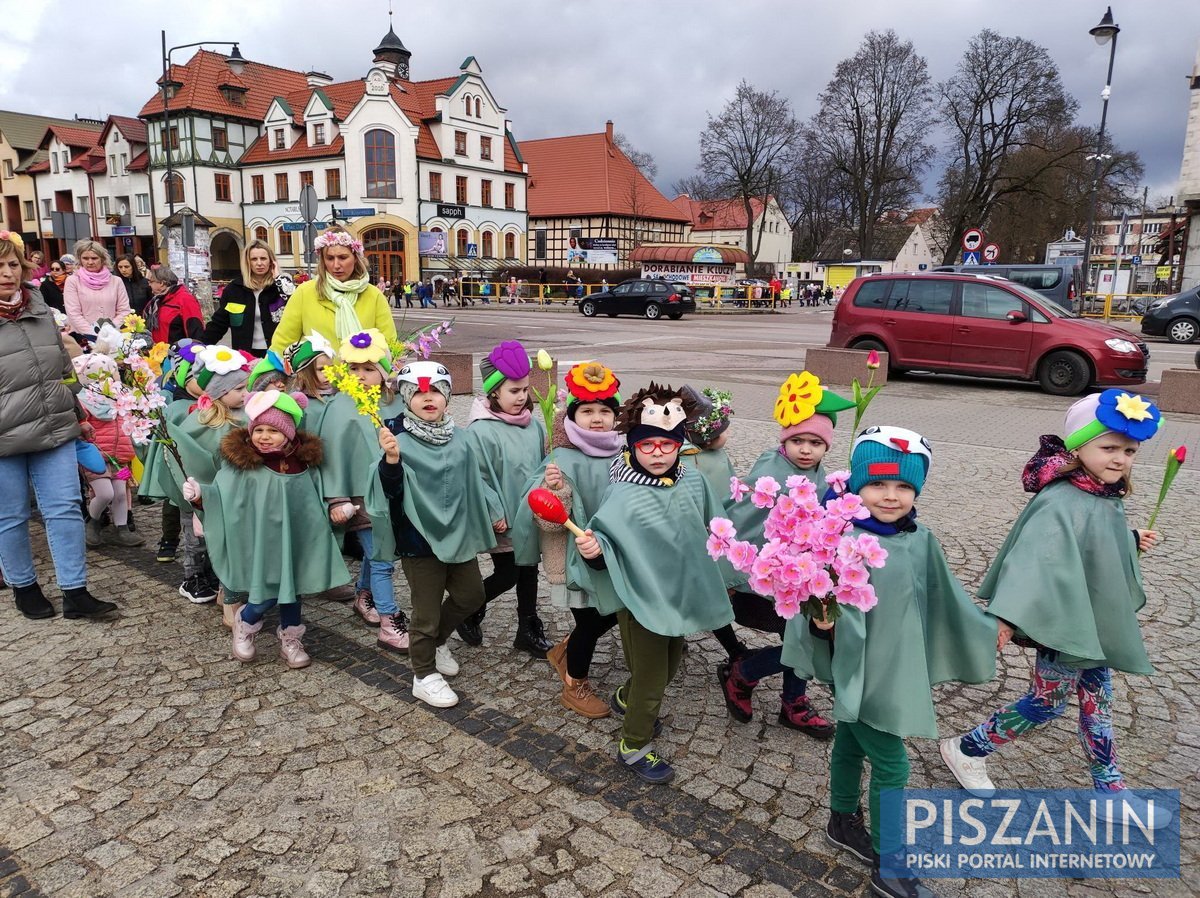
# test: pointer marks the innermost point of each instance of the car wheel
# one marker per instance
(1182, 330)
(675, 316)
(653, 311)
(1064, 373)
(588, 308)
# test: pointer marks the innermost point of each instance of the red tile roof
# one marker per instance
(91, 161)
(203, 75)
(140, 162)
(717, 215)
(132, 129)
(921, 216)
(587, 174)
(80, 135)
(260, 151)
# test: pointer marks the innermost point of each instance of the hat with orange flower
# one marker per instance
(591, 382)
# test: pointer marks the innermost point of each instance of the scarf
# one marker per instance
(59, 279)
(1047, 466)
(594, 444)
(435, 433)
(481, 410)
(344, 295)
(11, 309)
(94, 280)
(906, 524)
(625, 469)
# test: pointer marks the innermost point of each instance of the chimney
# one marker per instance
(317, 79)
(608, 130)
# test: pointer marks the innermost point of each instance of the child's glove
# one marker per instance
(191, 490)
(340, 514)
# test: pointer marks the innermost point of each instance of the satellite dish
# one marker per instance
(124, 210)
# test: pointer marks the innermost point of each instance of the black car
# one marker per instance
(649, 297)
(1175, 317)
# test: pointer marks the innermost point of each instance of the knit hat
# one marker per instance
(183, 360)
(68, 259)
(224, 370)
(890, 453)
(591, 382)
(804, 406)
(273, 408)
(421, 377)
(1108, 412)
(711, 415)
(367, 347)
(299, 355)
(266, 371)
(508, 361)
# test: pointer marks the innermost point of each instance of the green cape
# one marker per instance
(1068, 578)
(352, 450)
(161, 477)
(444, 498)
(925, 630)
(716, 467)
(658, 566)
(268, 534)
(200, 445)
(507, 455)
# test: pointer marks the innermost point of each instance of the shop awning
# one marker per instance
(688, 253)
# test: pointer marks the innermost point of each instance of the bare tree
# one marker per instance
(746, 153)
(637, 190)
(1005, 96)
(872, 129)
(642, 161)
(814, 199)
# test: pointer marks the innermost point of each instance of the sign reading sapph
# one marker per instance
(447, 210)
(692, 274)
(1028, 833)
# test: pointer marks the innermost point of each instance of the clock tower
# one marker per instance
(392, 55)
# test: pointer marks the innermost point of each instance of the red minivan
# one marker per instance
(985, 327)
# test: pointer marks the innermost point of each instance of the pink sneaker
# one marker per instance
(243, 638)
(393, 632)
(364, 607)
(291, 649)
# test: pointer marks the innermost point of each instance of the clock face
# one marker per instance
(402, 70)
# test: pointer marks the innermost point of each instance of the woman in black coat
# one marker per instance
(135, 282)
(52, 286)
(257, 299)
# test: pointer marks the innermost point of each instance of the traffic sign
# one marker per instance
(1136, 260)
(970, 258)
(991, 253)
(299, 225)
(972, 239)
(308, 202)
(353, 213)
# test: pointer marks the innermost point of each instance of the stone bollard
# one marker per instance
(841, 366)
(461, 366)
(1179, 391)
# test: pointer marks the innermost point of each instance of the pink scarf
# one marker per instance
(481, 410)
(95, 280)
(594, 443)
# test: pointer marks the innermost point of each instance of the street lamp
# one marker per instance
(1105, 32)
(237, 64)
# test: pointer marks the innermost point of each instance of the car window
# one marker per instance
(639, 288)
(621, 289)
(661, 288)
(871, 295)
(1052, 308)
(1041, 279)
(986, 301)
(920, 295)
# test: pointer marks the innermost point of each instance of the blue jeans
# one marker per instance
(289, 612)
(376, 575)
(55, 477)
(767, 662)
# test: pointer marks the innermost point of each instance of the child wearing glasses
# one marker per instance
(647, 562)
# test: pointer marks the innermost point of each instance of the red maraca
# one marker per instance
(549, 507)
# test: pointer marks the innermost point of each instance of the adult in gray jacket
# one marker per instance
(39, 422)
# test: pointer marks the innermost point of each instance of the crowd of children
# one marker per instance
(278, 463)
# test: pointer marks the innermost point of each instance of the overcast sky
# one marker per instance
(657, 68)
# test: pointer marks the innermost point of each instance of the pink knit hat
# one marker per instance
(282, 411)
(818, 426)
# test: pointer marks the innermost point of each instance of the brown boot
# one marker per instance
(577, 696)
(229, 612)
(557, 657)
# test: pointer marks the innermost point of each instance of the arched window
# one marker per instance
(463, 239)
(510, 246)
(477, 107)
(175, 188)
(285, 242)
(466, 105)
(260, 234)
(487, 245)
(379, 148)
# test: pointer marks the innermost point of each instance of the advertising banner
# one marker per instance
(595, 250)
(432, 243)
(682, 272)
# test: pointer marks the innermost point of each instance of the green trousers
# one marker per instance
(652, 661)
(889, 768)
(443, 596)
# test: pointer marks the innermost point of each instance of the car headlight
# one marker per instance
(1118, 345)
(1156, 304)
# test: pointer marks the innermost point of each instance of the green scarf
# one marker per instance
(344, 295)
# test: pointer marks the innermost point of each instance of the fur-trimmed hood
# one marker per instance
(237, 449)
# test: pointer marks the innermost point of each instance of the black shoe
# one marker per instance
(617, 702)
(80, 603)
(847, 831)
(531, 637)
(906, 887)
(31, 602)
(167, 548)
(470, 630)
(197, 590)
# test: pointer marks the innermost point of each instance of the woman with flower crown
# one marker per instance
(340, 301)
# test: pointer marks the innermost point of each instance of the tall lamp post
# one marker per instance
(1104, 33)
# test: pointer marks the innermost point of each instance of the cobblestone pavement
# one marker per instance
(138, 759)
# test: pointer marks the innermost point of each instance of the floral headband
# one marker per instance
(14, 238)
(339, 238)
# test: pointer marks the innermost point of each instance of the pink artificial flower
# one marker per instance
(786, 505)
(853, 576)
(790, 571)
(761, 585)
(722, 528)
(787, 603)
(741, 555)
(823, 555)
(853, 507)
(847, 551)
(765, 490)
(737, 489)
(716, 547)
(863, 599)
(873, 554)
(821, 584)
(802, 489)
(837, 481)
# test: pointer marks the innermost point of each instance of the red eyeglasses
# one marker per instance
(659, 447)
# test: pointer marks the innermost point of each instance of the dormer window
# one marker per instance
(280, 141)
(319, 135)
(171, 88)
(233, 94)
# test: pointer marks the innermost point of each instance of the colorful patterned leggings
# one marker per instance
(1045, 701)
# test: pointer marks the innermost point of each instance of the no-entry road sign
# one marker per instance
(991, 252)
(972, 240)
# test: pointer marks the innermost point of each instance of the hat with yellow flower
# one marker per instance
(224, 370)
(591, 382)
(1113, 411)
(367, 347)
(804, 406)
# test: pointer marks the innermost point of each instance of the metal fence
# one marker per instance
(1119, 306)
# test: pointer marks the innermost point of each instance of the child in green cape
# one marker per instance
(709, 416)
(646, 551)
(807, 415)
(509, 442)
(883, 663)
(430, 492)
(1067, 582)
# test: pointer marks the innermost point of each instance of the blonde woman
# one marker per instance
(252, 304)
(92, 293)
(340, 301)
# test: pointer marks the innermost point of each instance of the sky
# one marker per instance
(657, 68)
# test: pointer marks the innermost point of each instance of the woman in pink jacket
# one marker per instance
(92, 292)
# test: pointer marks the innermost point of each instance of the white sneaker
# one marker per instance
(444, 661)
(970, 772)
(434, 691)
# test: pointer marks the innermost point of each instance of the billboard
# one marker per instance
(432, 243)
(682, 272)
(594, 250)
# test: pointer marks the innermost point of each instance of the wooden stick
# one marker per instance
(571, 525)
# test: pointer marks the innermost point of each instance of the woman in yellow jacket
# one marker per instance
(339, 301)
